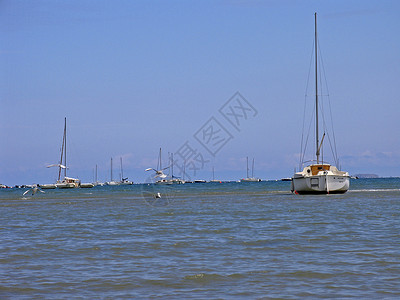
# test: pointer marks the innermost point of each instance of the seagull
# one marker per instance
(34, 190)
(57, 165)
(159, 173)
(158, 195)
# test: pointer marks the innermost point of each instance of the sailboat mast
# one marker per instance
(122, 171)
(159, 160)
(111, 179)
(252, 170)
(172, 165)
(62, 154)
(247, 168)
(184, 169)
(65, 147)
(316, 91)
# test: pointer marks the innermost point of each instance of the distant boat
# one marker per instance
(112, 182)
(286, 179)
(124, 181)
(48, 186)
(184, 173)
(252, 178)
(66, 182)
(87, 185)
(319, 177)
(213, 177)
(174, 179)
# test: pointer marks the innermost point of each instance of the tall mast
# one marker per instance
(172, 165)
(252, 170)
(247, 168)
(316, 91)
(65, 147)
(184, 169)
(122, 172)
(111, 179)
(159, 160)
(62, 154)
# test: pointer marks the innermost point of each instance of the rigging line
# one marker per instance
(330, 144)
(308, 134)
(329, 105)
(326, 130)
(323, 76)
(303, 150)
(302, 132)
(310, 67)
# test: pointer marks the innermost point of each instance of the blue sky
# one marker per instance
(134, 76)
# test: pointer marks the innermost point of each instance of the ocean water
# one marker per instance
(229, 240)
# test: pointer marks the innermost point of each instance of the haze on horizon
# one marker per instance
(134, 76)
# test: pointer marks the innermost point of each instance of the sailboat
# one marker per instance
(174, 179)
(252, 178)
(213, 177)
(160, 172)
(319, 177)
(112, 182)
(66, 182)
(124, 181)
(89, 184)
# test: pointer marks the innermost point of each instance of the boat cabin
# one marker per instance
(314, 169)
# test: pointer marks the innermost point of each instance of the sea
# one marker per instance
(232, 240)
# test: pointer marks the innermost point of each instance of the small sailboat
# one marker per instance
(174, 179)
(252, 178)
(213, 177)
(66, 182)
(89, 184)
(124, 181)
(96, 181)
(112, 182)
(319, 177)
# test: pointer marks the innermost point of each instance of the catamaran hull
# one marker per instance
(320, 184)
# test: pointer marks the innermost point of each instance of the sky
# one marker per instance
(213, 82)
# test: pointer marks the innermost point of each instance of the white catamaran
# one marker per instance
(319, 177)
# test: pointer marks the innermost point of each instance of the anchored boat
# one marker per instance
(319, 177)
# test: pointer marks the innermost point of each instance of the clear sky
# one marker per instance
(134, 76)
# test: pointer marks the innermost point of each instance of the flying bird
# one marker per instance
(159, 173)
(33, 190)
(57, 165)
